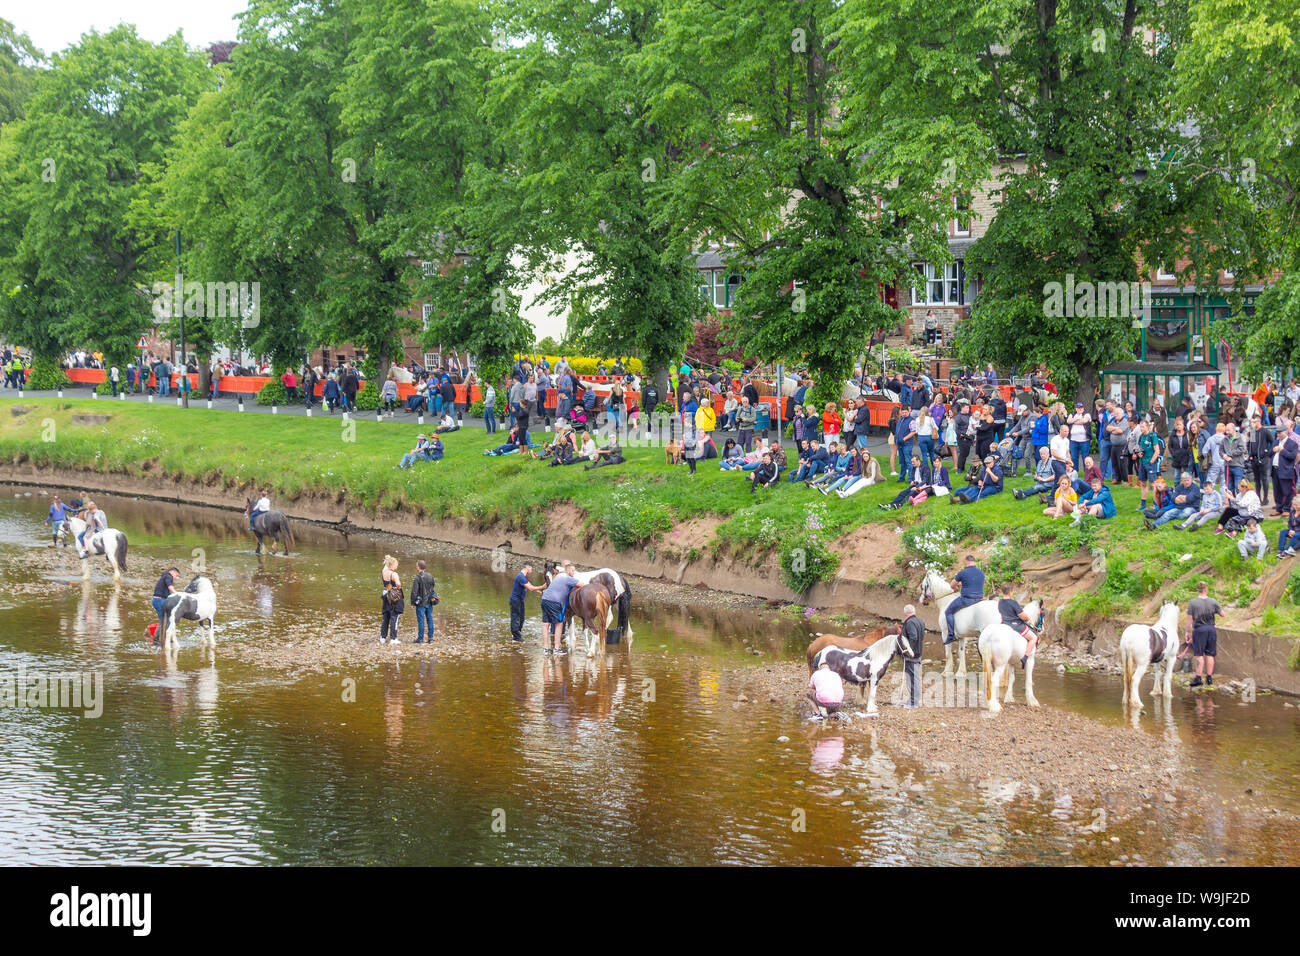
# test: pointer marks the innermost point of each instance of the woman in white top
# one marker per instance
(870, 476)
(1238, 508)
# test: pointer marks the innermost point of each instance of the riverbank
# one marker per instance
(659, 522)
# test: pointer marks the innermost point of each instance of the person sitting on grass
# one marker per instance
(1252, 540)
(448, 424)
(814, 464)
(1082, 483)
(1066, 500)
(435, 448)
(1161, 499)
(918, 476)
(764, 475)
(940, 485)
(1289, 536)
(1097, 502)
(747, 461)
(852, 470)
(838, 463)
(1239, 507)
(1184, 499)
(1211, 507)
(826, 691)
(611, 454)
(517, 441)
(870, 474)
(731, 452)
(419, 453)
(1044, 477)
(990, 483)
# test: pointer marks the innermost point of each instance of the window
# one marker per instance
(941, 287)
(703, 288)
(430, 361)
(1164, 275)
(429, 268)
(426, 310)
(733, 287)
(719, 290)
(961, 223)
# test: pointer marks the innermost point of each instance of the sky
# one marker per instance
(54, 24)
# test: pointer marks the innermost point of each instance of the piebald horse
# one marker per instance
(1141, 647)
(198, 602)
(109, 542)
(864, 667)
(970, 620)
(590, 604)
(1001, 647)
(273, 524)
(858, 642)
(615, 584)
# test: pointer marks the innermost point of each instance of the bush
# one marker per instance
(46, 375)
(106, 387)
(476, 410)
(273, 392)
(368, 398)
(806, 558)
(586, 365)
(632, 518)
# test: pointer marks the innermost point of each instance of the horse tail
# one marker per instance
(121, 551)
(288, 532)
(1128, 662)
(989, 691)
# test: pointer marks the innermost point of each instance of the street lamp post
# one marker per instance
(185, 371)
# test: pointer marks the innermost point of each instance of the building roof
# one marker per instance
(1161, 368)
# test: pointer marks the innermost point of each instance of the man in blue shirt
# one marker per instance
(58, 511)
(517, 596)
(969, 583)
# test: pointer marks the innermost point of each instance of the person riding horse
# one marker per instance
(262, 506)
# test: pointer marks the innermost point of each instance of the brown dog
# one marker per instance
(859, 642)
(673, 452)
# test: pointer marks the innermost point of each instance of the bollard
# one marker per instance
(94, 394)
(419, 419)
(60, 393)
(151, 398)
(178, 401)
(379, 414)
(241, 402)
(121, 396)
(309, 411)
(209, 404)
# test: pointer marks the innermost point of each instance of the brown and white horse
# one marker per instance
(590, 603)
(864, 667)
(858, 642)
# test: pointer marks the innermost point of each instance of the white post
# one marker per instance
(151, 399)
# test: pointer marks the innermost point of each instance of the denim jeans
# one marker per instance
(1285, 540)
(1078, 451)
(489, 419)
(164, 385)
(1173, 514)
(423, 614)
(1235, 473)
(437, 403)
(158, 607)
(904, 460)
(925, 445)
(1107, 468)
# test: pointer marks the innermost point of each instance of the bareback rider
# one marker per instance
(96, 521)
(1017, 618)
(969, 583)
(260, 507)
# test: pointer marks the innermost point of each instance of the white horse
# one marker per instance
(866, 666)
(198, 602)
(617, 585)
(1000, 647)
(109, 542)
(1141, 647)
(970, 620)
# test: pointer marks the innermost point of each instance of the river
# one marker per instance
(504, 758)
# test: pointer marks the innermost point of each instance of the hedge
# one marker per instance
(586, 365)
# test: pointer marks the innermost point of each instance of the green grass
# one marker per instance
(633, 505)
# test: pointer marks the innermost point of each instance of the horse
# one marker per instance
(198, 602)
(1141, 647)
(970, 620)
(620, 594)
(273, 524)
(857, 643)
(109, 542)
(1000, 645)
(590, 604)
(864, 667)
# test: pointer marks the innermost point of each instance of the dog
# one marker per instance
(673, 452)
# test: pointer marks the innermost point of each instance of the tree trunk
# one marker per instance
(205, 372)
(1087, 388)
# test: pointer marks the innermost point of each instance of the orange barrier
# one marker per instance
(86, 376)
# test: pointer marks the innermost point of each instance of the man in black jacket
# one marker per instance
(423, 596)
(764, 474)
(1260, 449)
(909, 644)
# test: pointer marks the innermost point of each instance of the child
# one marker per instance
(1211, 507)
(1252, 540)
(826, 691)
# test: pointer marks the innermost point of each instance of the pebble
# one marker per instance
(742, 699)
(783, 739)
(1113, 767)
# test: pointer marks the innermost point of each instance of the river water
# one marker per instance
(506, 759)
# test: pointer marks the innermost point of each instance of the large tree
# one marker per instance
(79, 253)
(789, 157)
(19, 60)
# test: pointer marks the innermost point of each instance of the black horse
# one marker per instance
(270, 524)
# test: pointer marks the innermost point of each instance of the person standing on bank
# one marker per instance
(393, 599)
(518, 594)
(1202, 634)
(423, 597)
(909, 643)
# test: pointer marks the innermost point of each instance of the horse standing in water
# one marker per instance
(1000, 647)
(272, 524)
(591, 604)
(1141, 647)
(198, 602)
(109, 542)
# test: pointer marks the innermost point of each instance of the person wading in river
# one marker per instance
(392, 600)
(517, 596)
(554, 599)
(1202, 634)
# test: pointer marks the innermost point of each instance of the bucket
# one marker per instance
(153, 631)
(613, 635)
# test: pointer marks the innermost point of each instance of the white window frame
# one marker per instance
(952, 277)
(426, 310)
(957, 230)
(430, 361)
(1164, 276)
(428, 268)
(719, 284)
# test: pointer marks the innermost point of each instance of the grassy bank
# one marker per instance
(638, 504)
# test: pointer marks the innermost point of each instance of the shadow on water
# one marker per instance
(509, 757)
